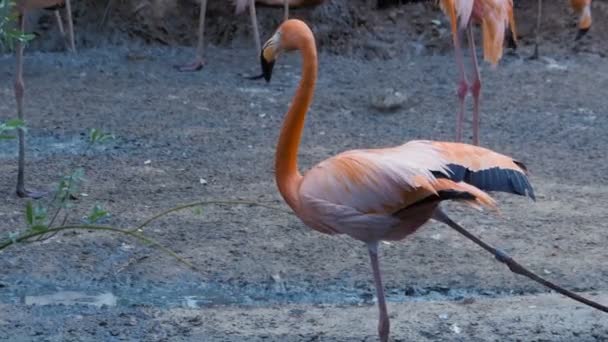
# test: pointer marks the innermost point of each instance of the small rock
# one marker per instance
(388, 100)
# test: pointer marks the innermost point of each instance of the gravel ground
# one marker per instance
(261, 274)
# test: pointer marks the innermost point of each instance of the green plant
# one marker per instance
(9, 33)
(7, 128)
(41, 221)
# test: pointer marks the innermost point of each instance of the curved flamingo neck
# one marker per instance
(288, 177)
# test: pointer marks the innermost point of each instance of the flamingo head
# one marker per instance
(269, 54)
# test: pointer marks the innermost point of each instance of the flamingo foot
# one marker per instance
(23, 193)
(197, 65)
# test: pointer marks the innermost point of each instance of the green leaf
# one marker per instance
(97, 136)
(39, 228)
(29, 213)
(13, 236)
(15, 123)
(198, 211)
(97, 213)
(35, 215)
(40, 213)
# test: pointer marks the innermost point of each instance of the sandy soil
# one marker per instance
(262, 274)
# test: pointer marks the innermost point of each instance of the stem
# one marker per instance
(134, 232)
(204, 203)
(130, 233)
(69, 184)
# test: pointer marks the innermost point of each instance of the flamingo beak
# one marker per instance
(268, 55)
(266, 67)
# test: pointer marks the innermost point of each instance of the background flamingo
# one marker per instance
(241, 5)
(383, 194)
(23, 6)
(199, 61)
(495, 16)
(581, 7)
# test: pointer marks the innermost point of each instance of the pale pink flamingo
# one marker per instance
(241, 6)
(23, 6)
(495, 16)
(383, 194)
(581, 7)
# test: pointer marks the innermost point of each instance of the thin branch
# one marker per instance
(205, 203)
(136, 235)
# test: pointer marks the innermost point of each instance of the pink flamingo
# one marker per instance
(22, 7)
(494, 17)
(384, 194)
(241, 5)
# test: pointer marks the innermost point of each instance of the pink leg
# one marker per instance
(383, 322)
(68, 13)
(19, 93)
(462, 87)
(198, 62)
(475, 86)
(59, 23)
(254, 26)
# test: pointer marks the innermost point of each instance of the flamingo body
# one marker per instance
(359, 192)
(378, 194)
(494, 16)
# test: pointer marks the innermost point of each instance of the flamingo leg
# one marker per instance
(59, 23)
(106, 13)
(475, 87)
(68, 13)
(19, 93)
(198, 62)
(286, 10)
(254, 25)
(463, 86)
(537, 33)
(383, 322)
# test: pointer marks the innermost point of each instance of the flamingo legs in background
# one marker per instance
(494, 16)
(22, 8)
(241, 5)
(580, 7)
(199, 60)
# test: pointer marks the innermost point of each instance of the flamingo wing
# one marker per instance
(366, 193)
(484, 169)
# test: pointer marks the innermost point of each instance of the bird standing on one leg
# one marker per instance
(495, 16)
(378, 194)
(22, 7)
(385, 194)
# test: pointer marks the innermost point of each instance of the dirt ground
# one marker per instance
(264, 276)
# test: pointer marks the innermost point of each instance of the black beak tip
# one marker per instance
(267, 69)
(581, 33)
